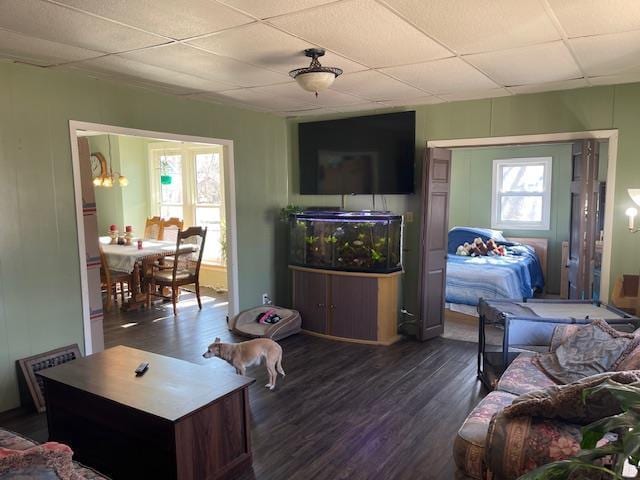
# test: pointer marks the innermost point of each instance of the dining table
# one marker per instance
(137, 262)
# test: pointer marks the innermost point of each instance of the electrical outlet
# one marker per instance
(408, 217)
(265, 299)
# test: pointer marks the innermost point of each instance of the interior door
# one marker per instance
(436, 177)
(584, 211)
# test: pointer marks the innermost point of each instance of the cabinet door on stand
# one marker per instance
(310, 299)
(353, 307)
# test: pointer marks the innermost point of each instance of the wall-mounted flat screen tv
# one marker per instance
(359, 155)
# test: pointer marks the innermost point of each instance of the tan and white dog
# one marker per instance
(249, 353)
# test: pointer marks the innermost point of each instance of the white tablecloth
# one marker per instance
(123, 258)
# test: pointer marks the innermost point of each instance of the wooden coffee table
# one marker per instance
(177, 421)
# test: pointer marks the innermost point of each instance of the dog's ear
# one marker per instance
(217, 340)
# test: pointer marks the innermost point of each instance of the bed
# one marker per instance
(516, 275)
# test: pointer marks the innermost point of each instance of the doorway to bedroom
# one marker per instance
(511, 213)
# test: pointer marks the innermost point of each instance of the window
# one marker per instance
(521, 193)
(187, 183)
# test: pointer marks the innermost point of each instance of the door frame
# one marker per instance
(91, 335)
(609, 135)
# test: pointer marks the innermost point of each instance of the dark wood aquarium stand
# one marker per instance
(349, 306)
(177, 421)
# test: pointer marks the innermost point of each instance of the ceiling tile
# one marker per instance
(192, 61)
(59, 24)
(289, 96)
(374, 85)
(271, 8)
(40, 52)
(547, 62)
(442, 76)
(135, 71)
(632, 77)
(359, 107)
(166, 17)
(407, 102)
(593, 17)
(363, 31)
(480, 25)
(266, 46)
(222, 100)
(475, 94)
(608, 54)
(549, 86)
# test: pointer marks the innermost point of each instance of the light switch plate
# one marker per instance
(408, 217)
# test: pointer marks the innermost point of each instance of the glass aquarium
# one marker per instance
(365, 241)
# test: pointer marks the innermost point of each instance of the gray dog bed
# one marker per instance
(247, 322)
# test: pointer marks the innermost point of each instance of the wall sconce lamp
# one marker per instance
(632, 212)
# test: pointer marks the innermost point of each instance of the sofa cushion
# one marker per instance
(518, 445)
(522, 376)
(468, 447)
(49, 461)
(14, 441)
(565, 402)
(592, 349)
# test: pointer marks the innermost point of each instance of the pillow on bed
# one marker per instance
(459, 235)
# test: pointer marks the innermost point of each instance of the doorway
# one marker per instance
(151, 174)
(435, 214)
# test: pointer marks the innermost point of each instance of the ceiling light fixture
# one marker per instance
(107, 176)
(315, 77)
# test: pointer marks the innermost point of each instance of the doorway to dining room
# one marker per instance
(135, 192)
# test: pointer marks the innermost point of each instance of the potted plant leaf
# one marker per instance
(617, 459)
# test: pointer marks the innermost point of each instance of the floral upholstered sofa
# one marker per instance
(491, 445)
(23, 458)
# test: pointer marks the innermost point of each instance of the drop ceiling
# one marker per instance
(393, 52)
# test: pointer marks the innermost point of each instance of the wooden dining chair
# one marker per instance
(153, 228)
(169, 229)
(185, 269)
(111, 279)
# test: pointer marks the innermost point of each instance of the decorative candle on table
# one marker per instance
(128, 234)
(113, 234)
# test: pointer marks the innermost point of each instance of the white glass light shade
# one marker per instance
(315, 81)
(634, 193)
(123, 181)
(107, 182)
(631, 212)
(97, 181)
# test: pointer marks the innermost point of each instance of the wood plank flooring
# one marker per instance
(344, 411)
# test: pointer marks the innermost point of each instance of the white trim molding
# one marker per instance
(608, 135)
(91, 340)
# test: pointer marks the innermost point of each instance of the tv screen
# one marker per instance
(359, 155)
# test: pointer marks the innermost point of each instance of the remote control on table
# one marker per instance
(142, 368)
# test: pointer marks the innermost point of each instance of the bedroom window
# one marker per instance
(521, 193)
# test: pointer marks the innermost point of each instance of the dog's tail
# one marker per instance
(279, 364)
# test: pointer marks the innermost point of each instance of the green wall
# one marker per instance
(471, 185)
(40, 300)
(124, 205)
(593, 108)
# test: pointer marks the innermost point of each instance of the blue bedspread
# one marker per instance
(515, 275)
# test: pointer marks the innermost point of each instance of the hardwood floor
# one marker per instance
(343, 410)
